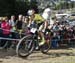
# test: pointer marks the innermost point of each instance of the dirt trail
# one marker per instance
(53, 56)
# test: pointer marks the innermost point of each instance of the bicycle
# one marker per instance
(27, 44)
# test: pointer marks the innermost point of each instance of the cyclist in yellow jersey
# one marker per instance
(41, 24)
(38, 18)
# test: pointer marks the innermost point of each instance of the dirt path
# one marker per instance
(53, 56)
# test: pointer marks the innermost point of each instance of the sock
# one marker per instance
(42, 41)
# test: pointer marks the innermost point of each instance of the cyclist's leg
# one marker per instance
(41, 35)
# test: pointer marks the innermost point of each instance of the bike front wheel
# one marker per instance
(25, 46)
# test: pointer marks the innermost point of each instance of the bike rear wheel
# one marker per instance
(47, 45)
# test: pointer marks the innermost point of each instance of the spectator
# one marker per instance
(0, 27)
(6, 31)
(19, 24)
(0, 31)
(12, 23)
(5, 26)
(25, 23)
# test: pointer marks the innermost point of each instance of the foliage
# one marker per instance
(64, 5)
(10, 7)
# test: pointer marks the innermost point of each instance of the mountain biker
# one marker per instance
(39, 20)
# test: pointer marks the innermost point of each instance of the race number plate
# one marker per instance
(33, 30)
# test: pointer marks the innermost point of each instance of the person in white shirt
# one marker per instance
(12, 23)
(47, 16)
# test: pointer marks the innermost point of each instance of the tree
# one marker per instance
(6, 7)
(64, 5)
(9, 7)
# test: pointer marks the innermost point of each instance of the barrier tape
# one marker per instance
(19, 39)
(12, 31)
(63, 39)
(9, 39)
(25, 34)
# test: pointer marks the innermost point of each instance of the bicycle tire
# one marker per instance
(26, 53)
(47, 45)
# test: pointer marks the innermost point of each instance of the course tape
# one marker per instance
(9, 39)
(13, 31)
(25, 34)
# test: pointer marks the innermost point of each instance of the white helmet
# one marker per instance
(30, 12)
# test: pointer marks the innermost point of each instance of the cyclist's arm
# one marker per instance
(30, 21)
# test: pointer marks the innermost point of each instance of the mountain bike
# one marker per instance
(28, 43)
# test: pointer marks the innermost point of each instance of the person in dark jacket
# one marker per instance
(19, 24)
